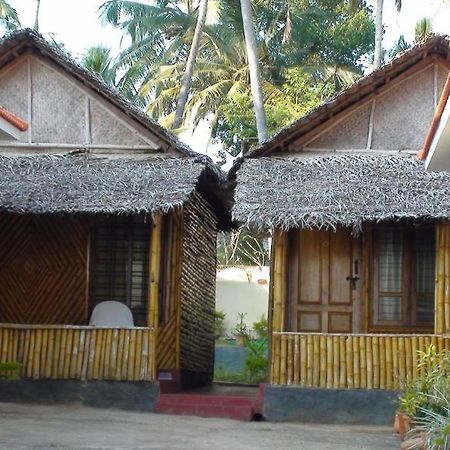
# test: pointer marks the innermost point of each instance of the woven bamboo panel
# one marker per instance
(43, 269)
(107, 129)
(58, 107)
(369, 361)
(350, 133)
(79, 353)
(403, 115)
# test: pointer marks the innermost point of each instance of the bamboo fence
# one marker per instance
(350, 361)
(79, 352)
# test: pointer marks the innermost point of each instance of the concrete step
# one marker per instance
(238, 407)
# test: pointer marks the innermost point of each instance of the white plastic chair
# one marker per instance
(111, 314)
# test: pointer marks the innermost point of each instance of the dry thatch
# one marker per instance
(337, 190)
(83, 184)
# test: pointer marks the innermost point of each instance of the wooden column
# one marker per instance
(155, 270)
(442, 291)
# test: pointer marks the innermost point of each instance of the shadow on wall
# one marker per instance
(242, 290)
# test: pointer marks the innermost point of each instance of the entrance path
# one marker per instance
(77, 427)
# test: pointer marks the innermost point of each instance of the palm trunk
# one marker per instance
(255, 76)
(36, 17)
(186, 81)
(378, 34)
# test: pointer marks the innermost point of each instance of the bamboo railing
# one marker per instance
(351, 361)
(79, 352)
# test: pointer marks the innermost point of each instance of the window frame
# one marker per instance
(409, 294)
(130, 222)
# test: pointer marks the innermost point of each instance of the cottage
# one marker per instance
(361, 241)
(99, 203)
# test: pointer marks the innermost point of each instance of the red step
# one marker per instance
(239, 407)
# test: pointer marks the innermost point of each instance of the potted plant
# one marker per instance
(241, 331)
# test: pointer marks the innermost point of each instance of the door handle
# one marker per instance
(353, 281)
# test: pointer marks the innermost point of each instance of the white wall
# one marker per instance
(242, 290)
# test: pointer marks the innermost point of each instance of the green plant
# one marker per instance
(256, 362)
(435, 427)
(10, 370)
(261, 327)
(241, 328)
(219, 324)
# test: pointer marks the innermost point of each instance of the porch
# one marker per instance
(84, 353)
(355, 311)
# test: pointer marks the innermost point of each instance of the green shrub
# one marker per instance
(261, 327)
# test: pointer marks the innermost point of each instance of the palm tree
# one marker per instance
(161, 36)
(186, 80)
(8, 16)
(253, 63)
(98, 60)
(423, 29)
(36, 17)
(378, 26)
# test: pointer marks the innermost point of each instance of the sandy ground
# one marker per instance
(78, 427)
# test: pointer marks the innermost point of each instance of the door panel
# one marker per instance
(324, 288)
(310, 266)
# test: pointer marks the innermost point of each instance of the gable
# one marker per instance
(394, 118)
(61, 110)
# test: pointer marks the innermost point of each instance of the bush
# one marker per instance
(261, 328)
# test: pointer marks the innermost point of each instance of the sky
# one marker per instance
(76, 23)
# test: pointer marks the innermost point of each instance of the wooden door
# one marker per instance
(324, 281)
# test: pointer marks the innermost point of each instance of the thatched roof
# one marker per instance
(430, 49)
(337, 190)
(26, 41)
(84, 184)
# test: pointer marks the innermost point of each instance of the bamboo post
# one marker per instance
(356, 362)
(329, 362)
(323, 361)
(440, 279)
(349, 361)
(382, 353)
(297, 360)
(363, 361)
(389, 364)
(336, 362)
(309, 360)
(369, 359)
(342, 363)
(376, 362)
(155, 270)
(303, 360)
(316, 361)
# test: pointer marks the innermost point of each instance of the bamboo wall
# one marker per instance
(442, 293)
(198, 287)
(79, 353)
(365, 361)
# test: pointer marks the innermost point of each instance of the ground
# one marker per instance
(78, 427)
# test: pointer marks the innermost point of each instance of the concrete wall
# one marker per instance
(242, 290)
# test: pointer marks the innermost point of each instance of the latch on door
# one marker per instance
(353, 279)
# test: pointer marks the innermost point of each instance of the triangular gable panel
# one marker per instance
(60, 110)
(396, 118)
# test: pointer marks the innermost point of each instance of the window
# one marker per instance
(403, 277)
(119, 264)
